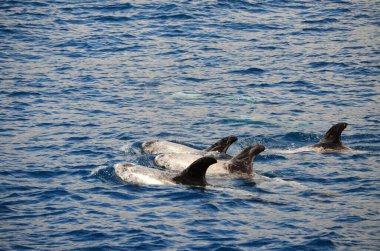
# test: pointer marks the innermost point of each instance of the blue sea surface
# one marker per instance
(84, 83)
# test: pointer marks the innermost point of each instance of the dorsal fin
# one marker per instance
(222, 145)
(333, 134)
(195, 174)
(242, 162)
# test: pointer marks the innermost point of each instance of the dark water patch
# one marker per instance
(31, 215)
(322, 30)
(109, 8)
(38, 148)
(174, 17)
(111, 18)
(22, 247)
(327, 64)
(7, 30)
(121, 49)
(251, 70)
(79, 235)
(20, 94)
(251, 27)
(85, 152)
(362, 16)
(197, 80)
(175, 33)
(350, 218)
(267, 48)
(259, 200)
(78, 139)
(41, 174)
(5, 210)
(15, 3)
(125, 136)
(363, 189)
(56, 124)
(319, 243)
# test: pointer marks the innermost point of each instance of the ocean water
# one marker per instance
(84, 83)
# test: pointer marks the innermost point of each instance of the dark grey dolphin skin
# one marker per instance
(222, 145)
(242, 162)
(195, 174)
(331, 140)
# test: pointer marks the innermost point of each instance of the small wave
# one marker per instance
(322, 21)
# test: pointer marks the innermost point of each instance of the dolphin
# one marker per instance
(239, 164)
(331, 142)
(159, 146)
(193, 175)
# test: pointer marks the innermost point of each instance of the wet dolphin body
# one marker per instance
(240, 164)
(158, 146)
(331, 141)
(194, 174)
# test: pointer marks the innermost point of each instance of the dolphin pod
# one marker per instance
(192, 164)
(240, 163)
